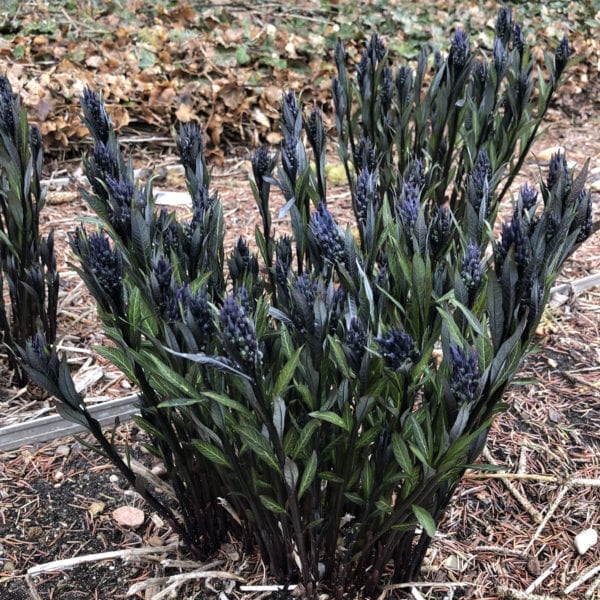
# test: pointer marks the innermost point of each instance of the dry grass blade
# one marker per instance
(127, 555)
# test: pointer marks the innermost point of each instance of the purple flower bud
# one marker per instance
(303, 293)
(410, 204)
(104, 164)
(460, 51)
(8, 109)
(162, 282)
(364, 155)
(504, 25)
(376, 48)
(404, 84)
(386, 90)
(245, 300)
(518, 39)
(416, 174)
(289, 157)
(513, 235)
(472, 270)
(372, 55)
(362, 72)
(40, 346)
(198, 315)
(479, 179)
(242, 262)
(189, 145)
(366, 193)
(283, 260)
(336, 306)
(558, 170)
(398, 349)
(262, 168)
(105, 263)
(239, 336)
(327, 234)
(315, 132)
(583, 216)
(339, 99)
(528, 196)
(561, 56)
(261, 165)
(35, 141)
(552, 226)
(356, 341)
(40, 356)
(307, 288)
(480, 74)
(99, 260)
(440, 229)
(291, 118)
(95, 115)
(465, 376)
(500, 57)
(201, 203)
(122, 191)
(522, 88)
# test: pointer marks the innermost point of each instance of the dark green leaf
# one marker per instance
(425, 519)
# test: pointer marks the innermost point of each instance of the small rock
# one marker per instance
(62, 450)
(554, 415)
(58, 475)
(585, 540)
(128, 516)
(533, 566)
(114, 478)
(157, 520)
(132, 494)
(546, 154)
(454, 563)
(125, 384)
(159, 470)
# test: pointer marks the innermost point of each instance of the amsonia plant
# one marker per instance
(320, 397)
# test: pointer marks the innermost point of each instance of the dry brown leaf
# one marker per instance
(185, 113)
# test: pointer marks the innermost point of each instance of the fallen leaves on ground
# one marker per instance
(227, 64)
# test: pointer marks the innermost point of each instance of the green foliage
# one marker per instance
(335, 398)
(28, 273)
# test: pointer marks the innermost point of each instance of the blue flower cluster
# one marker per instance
(328, 235)
(238, 333)
(398, 349)
(465, 376)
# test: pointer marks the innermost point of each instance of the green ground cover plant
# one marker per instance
(321, 397)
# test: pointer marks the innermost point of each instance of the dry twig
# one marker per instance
(521, 499)
(588, 574)
(126, 555)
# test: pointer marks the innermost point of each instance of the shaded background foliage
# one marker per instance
(225, 63)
